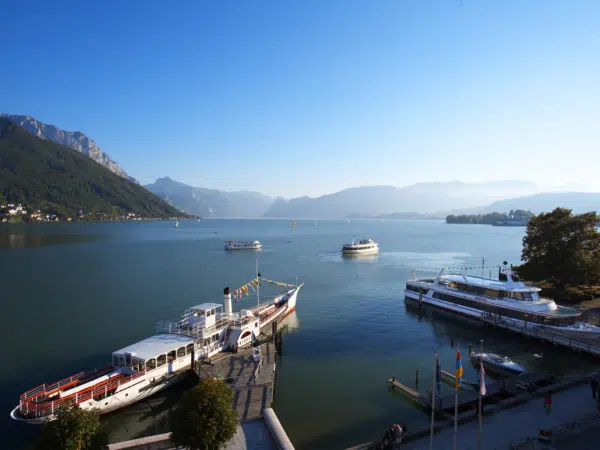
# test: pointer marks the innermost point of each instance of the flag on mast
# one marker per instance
(459, 369)
(482, 389)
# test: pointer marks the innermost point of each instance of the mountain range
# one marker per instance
(59, 180)
(210, 202)
(73, 139)
(418, 200)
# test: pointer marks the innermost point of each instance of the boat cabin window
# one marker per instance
(115, 361)
(151, 364)
(161, 360)
(171, 355)
(189, 349)
(138, 365)
(180, 352)
(215, 337)
(127, 360)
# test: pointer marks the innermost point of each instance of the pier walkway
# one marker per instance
(252, 381)
(591, 346)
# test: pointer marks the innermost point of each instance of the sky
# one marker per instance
(293, 98)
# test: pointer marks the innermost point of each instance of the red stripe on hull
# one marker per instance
(289, 312)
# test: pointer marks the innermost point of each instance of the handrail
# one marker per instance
(560, 429)
(540, 329)
(47, 408)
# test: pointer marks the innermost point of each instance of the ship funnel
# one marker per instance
(227, 301)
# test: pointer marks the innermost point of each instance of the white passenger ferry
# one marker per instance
(243, 245)
(506, 297)
(362, 247)
(146, 367)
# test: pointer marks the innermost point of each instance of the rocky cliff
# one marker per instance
(74, 139)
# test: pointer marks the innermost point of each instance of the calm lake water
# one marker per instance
(73, 293)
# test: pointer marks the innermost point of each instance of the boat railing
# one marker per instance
(539, 329)
(48, 388)
(29, 408)
(197, 331)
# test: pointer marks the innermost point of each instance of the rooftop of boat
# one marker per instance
(155, 345)
(473, 280)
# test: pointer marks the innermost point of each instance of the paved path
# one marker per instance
(511, 426)
(252, 435)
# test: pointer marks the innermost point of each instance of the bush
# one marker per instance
(73, 429)
(204, 418)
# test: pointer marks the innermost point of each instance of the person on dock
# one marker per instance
(398, 433)
(388, 438)
(548, 402)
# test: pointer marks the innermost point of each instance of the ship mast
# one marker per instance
(257, 287)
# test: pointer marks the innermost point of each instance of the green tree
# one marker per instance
(562, 248)
(73, 429)
(204, 418)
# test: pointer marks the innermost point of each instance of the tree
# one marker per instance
(204, 418)
(73, 429)
(562, 248)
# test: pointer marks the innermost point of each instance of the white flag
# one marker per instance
(482, 390)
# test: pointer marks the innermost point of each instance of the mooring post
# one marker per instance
(417, 378)
(470, 349)
(393, 381)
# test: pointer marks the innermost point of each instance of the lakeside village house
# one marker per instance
(10, 212)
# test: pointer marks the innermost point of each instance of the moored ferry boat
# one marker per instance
(506, 297)
(242, 245)
(153, 364)
(361, 247)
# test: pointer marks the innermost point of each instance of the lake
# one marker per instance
(74, 292)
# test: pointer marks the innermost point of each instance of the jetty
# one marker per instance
(590, 345)
(513, 413)
(251, 375)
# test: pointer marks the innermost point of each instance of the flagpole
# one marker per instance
(456, 403)
(481, 380)
(257, 287)
(435, 360)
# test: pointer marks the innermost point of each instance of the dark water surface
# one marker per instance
(73, 293)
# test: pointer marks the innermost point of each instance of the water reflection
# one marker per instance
(35, 238)
(360, 258)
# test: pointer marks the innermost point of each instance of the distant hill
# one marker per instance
(579, 202)
(74, 139)
(210, 202)
(421, 198)
(57, 179)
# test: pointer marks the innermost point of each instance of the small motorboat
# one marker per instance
(499, 363)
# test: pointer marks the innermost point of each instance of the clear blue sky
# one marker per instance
(309, 97)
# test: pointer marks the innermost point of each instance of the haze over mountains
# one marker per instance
(210, 202)
(435, 199)
(418, 200)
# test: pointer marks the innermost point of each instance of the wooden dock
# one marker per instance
(411, 393)
(252, 382)
(452, 378)
(591, 346)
